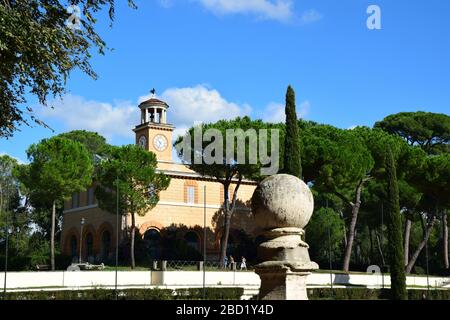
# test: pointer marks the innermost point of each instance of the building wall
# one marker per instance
(172, 212)
(96, 223)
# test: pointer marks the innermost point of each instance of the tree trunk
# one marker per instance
(52, 237)
(352, 228)
(345, 236)
(371, 246)
(224, 239)
(133, 233)
(445, 239)
(228, 212)
(225, 227)
(380, 249)
(416, 254)
(407, 236)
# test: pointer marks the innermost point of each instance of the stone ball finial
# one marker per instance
(282, 201)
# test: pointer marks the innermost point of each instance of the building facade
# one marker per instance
(189, 202)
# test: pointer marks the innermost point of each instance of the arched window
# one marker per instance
(152, 239)
(192, 240)
(73, 246)
(89, 246)
(106, 245)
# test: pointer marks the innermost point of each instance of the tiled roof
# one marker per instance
(154, 102)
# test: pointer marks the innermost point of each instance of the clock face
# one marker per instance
(143, 142)
(160, 142)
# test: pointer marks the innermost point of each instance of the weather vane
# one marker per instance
(153, 92)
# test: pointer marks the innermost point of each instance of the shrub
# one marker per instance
(373, 294)
(211, 293)
(130, 294)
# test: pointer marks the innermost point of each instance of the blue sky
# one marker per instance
(213, 59)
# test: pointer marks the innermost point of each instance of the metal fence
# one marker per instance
(183, 265)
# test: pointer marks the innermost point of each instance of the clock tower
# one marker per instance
(154, 133)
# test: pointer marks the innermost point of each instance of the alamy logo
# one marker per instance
(74, 21)
(374, 19)
(238, 147)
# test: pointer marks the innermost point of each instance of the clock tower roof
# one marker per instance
(153, 102)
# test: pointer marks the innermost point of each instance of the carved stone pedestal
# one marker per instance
(282, 206)
(282, 284)
(286, 267)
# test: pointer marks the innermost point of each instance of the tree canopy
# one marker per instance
(94, 143)
(38, 51)
(245, 157)
(58, 167)
(394, 227)
(431, 131)
(292, 159)
(131, 171)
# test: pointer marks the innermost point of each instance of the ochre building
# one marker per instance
(181, 209)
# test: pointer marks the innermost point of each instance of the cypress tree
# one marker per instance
(292, 154)
(394, 228)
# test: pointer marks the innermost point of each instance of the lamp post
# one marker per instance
(428, 271)
(381, 245)
(329, 253)
(117, 236)
(5, 205)
(6, 255)
(81, 239)
(204, 242)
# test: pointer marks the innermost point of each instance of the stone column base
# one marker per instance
(283, 282)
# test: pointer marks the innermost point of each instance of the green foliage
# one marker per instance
(431, 131)
(58, 167)
(376, 141)
(334, 159)
(345, 294)
(210, 293)
(228, 166)
(373, 294)
(292, 159)
(324, 224)
(434, 179)
(394, 227)
(133, 170)
(94, 143)
(38, 51)
(131, 294)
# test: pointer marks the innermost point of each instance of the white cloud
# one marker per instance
(309, 16)
(109, 120)
(280, 10)
(166, 3)
(275, 112)
(116, 120)
(199, 104)
(19, 161)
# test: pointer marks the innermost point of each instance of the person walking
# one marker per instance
(243, 263)
(225, 262)
(231, 262)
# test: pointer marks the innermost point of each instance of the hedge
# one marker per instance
(217, 294)
(130, 294)
(373, 294)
